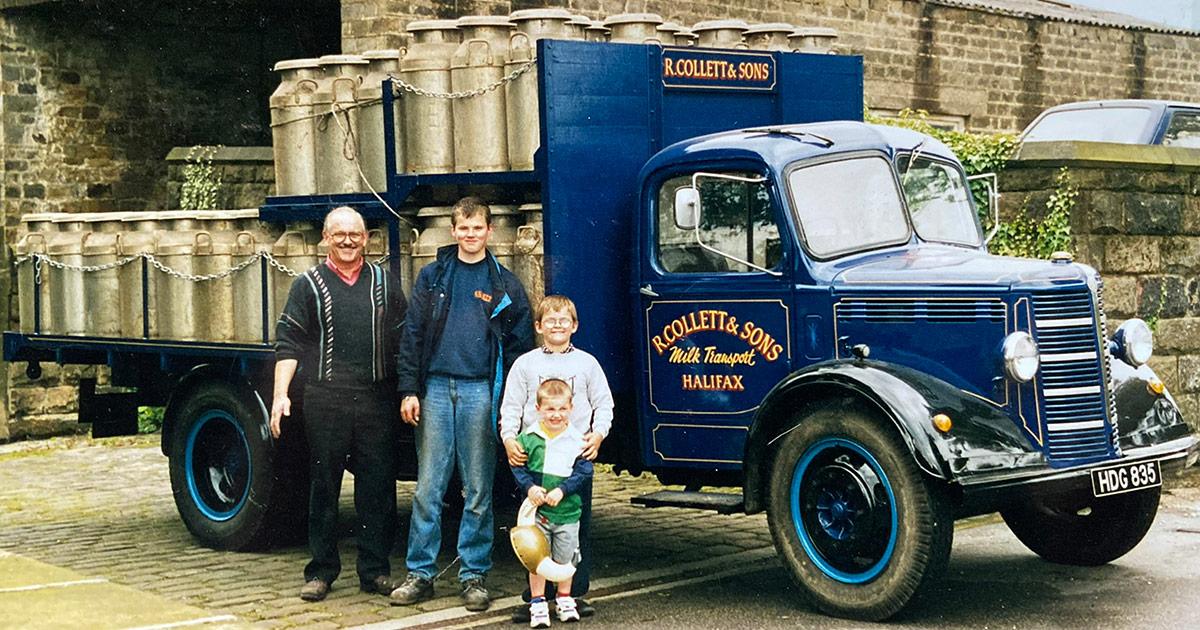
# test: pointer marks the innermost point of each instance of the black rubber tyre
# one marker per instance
(858, 527)
(225, 472)
(1083, 531)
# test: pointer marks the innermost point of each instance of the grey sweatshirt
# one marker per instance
(592, 401)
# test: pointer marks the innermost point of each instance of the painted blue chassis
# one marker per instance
(611, 129)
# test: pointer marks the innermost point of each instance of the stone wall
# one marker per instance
(996, 69)
(1137, 221)
(247, 176)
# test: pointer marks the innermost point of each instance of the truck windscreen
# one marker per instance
(847, 206)
(939, 202)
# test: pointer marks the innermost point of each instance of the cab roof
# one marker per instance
(781, 145)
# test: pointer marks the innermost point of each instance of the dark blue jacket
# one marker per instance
(510, 324)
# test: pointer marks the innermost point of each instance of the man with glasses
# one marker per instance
(338, 333)
(469, 321)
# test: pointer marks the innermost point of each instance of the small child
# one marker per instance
(556, 320)
(552, 475)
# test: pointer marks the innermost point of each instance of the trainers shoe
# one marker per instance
(314, 590)
(414, 589)
(474, 595)
(585, 609)
(539, 615)
(565, 605)
(382, 584)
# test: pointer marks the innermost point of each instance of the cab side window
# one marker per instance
(1183, 130)
(737, 219)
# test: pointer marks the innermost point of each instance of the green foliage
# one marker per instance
(201, 180)
(150, 419)
(989, 153)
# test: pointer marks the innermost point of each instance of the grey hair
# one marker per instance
(343, 210)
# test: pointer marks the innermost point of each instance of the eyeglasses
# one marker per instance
(561, 322)
(354, 237)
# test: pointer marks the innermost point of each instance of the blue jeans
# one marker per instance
(455, 426)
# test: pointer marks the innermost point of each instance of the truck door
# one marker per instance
(714, 316)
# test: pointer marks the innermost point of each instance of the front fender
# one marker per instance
(983, 436)
(1143, 417)
(197, 376)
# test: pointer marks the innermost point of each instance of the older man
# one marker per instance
(338, 333)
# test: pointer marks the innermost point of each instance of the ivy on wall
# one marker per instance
(989, 153)
(201, 180)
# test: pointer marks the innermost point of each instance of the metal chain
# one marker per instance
(39, 259)
(157, 264)
(511, 76)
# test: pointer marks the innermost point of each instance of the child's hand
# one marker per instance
(591, 445)
(553, 497)
(516, 454)
(537, 495)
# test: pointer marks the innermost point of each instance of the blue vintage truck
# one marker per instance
(786, 300)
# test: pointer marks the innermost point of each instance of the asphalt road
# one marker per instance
(992, 582)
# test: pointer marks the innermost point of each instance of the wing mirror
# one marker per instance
(687, 208)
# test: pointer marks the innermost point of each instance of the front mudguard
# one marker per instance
(1144, 418)
(983, 436)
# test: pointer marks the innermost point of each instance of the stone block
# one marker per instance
(1131, 254)
(1189, 407)
(1152, 213)
(1100, 212)
(1180, 254)
(1189, 374)
(1161, 297)
(1178, 336)
(1120, 296)
(1165, 182)
(1190, 221)
(1026, 179)
(46, 425)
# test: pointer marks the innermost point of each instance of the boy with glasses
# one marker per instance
(555, 318)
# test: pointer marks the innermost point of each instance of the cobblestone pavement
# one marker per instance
(104, 509)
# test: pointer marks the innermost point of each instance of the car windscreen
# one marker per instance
(847, 205)
(1111, 124)
(939, 202)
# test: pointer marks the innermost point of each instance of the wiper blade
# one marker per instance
(794, 134)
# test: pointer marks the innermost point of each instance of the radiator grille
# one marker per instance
(873, 310)
(1076, 403)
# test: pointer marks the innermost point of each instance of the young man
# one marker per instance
(557, 321)
(468, 322)
(338, 332)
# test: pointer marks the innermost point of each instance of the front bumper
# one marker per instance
(982, 493)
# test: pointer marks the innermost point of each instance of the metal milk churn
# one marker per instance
(215, 297)
(634, 28)
(596, 32)
(685, 37)
(667, 31)
(372, 156)
(249, 238)
(576, 26)
(813, 39)
(505, 221)
(720, 33)
(338, 151)
(530, 255)
(295, 249)
(32, 238)
(435, 224)
(101, 305)
(177, 307)
(480, 122)
(521, 94)
(66, 303)
(772, 36)
(138, 236)
(429, 121)
(293, 127)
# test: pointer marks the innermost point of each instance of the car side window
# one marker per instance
(737, 218)
(1183, 130)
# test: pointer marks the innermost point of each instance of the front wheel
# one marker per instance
(859, 528)
(1084, 531)
(227, 479)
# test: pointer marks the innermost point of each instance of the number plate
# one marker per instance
(1125, 478)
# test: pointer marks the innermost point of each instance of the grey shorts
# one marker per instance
(563, 539)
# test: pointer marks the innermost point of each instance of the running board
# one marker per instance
(720, 502)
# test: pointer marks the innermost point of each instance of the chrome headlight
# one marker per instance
(1133, 342)
(1021, 358)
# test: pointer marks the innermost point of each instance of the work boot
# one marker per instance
(382, 584)
(474, 595)
(414, 589)
(314, 590)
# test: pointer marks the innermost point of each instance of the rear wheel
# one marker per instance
(859, 528)
(225, 471)
(1083, 531)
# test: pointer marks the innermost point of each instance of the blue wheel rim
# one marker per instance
(849, 502)
(217, 465)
